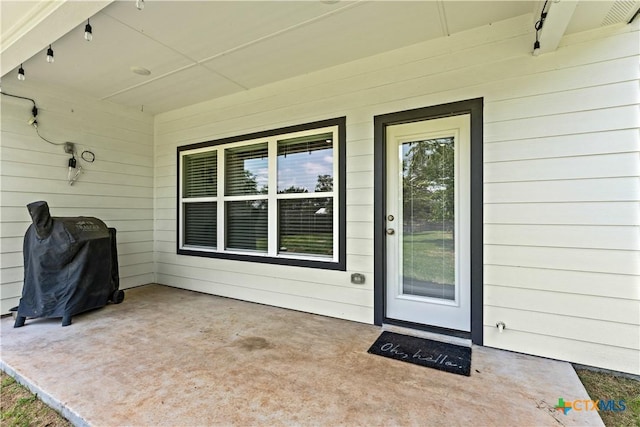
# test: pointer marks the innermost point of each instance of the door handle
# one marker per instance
(390, 231)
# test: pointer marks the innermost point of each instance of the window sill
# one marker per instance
(307, 262)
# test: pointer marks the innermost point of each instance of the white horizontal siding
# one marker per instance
(581, 122)
(592, 260)
(619, 165)
(552, 345)
(610, 285)
(571, 306)
(563, 213)
(561, 182)
(585, 190)
(618, 334)
(611, 142)
(349, 294)
(564, 236)
(302, 303)
(117, 187)
(605, 95)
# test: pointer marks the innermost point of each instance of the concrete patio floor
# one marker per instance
(173, 357)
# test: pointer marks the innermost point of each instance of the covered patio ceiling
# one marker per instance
(199, 50)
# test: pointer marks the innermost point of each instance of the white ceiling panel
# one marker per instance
(187, 87)
(28, 26)
(102, 66)
(208, 28)
(464, 15)
(381, 26)
(199, 50)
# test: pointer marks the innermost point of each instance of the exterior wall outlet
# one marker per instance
(69, 147)
(357, 278)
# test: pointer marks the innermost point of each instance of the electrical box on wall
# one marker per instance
(357, 278)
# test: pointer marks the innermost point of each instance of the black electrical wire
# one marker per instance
(543, 16)
(34, 112)
(45, 139)
(21, 97)
(90, 157)
(635, 15)
(539, 24)
(86, 155)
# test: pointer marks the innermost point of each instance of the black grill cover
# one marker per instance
(70, 266)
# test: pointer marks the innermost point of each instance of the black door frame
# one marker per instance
(474, 107)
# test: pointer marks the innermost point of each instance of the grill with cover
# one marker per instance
(70, 266)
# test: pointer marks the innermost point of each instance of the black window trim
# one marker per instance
(341, 264)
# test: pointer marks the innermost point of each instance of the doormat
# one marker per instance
(420, 351)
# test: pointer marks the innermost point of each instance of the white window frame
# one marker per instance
(272, 197)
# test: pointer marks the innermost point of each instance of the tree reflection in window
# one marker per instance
(428, 170)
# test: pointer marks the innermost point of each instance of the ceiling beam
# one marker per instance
(559, 13)
(44, 24)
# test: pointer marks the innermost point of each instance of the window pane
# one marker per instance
(246, 170)
(305, 164)
(306, 226)
(429, 218)
(199, 177)
(247, 225)
(200, 224)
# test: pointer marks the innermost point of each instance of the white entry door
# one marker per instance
(428, 223)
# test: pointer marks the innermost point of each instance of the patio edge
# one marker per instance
(46, 398)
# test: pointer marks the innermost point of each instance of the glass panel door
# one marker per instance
(428, 223)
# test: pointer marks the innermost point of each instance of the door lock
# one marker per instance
(390, 231)
(390, 218)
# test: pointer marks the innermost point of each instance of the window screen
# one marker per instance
(200, 174)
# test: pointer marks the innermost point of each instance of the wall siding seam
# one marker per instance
(568, 338)
(206, 270)
(563, 156)
(538, 95)
(272, 276)
(21, 138)
(560, 202)
(559, 135)
(563, 180)
(529, 288)
(66, 193)
(598, 296)
(597, 178)
(86, 174)
(564, 113)
(534, 138)
(214, 283)
(577, 248)
(559, 224)
(559, 269)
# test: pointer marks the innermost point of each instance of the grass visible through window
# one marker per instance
(429, 256)
(319, 244)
